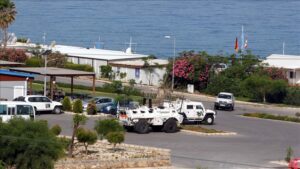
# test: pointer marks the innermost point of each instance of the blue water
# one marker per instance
(210, 25)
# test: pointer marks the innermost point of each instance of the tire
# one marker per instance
(141, 127)
(170, 126)
(216, 107)
(129, 128)
(57, 110)
(209, 119)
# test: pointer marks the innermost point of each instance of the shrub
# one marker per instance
(103, 127)
(277, 91)
(91, 108)
(22, 39)
(65, 142)
(77, 106)
(106, 71)
(77, 121)
(56, 59)
(289, 153)
(67, 106)
(82, 67)
(56, 130)
(220, 83)
(31, 144)
(87, 137)
(115, 138)
(132, 82)
(34, 62)
(292, 96)
(13, 55)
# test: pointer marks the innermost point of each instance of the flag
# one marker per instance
(246, 44)
(236, 47)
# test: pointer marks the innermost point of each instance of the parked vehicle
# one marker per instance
(294, 163)
(225, 100)
(192, 111)
(11, 109)
(99, 101)
(110, 108)
(141, 119)
(41, 103)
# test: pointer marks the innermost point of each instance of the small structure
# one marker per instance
(151, 73)
(54, 72)
(14, 84)
(95, 57)
(290, 63)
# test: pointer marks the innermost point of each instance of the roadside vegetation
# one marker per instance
(246, 77)
(273, 117)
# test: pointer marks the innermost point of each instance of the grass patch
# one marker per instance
(198, 128)
(39, 87)
(273, 117)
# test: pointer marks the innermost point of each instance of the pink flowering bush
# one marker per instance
(275, 73)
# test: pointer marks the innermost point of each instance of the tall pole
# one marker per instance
(45, 76)
(174, 55)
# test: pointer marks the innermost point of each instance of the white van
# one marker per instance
(11, 109)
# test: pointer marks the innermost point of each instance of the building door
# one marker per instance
(18, 91)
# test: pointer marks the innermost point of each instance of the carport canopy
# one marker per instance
(4, 63)
(54, 72)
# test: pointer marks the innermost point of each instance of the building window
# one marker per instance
(118, 69)
(292, 75)
(137, 72)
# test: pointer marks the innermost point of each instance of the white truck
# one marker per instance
(192, 111)
(41, 103)
(225, 100)
(141, 119)
(11, 109)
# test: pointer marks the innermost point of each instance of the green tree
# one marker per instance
(293, 96)
(87, 137)
(34, 62)
(67, 106)
(77, 121)
(77, 106)
(117, 86)
(56, 60)
(7, 17)
(103, 127)
(115, 138)
(28, 144)
(257, 87)
(106, 71)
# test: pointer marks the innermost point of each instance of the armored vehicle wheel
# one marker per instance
(141, 127)
(170, 126)
(209, 119)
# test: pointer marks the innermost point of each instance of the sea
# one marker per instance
(199, 25)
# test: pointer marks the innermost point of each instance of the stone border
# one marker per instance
(280, 162)
(210, 134)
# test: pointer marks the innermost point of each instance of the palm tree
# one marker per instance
(7, 16)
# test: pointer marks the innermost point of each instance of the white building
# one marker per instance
(136, 70)
(13, 84)
(290, 63)
(95, 57)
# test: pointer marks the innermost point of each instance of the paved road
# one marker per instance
(258, 141)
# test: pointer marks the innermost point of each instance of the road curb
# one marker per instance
(210, 134)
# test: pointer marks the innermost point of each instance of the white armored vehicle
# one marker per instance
(192, 111)
(141, 119)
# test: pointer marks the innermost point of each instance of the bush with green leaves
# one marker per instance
(91, 108)
(34, 62)
(31, 144)
(115, 138)
(65, 142)
(106, 71)
(56, 129)
(289, 154)
(77, 106)
(103, 127)
(82, 67)
(292, 96)
(67, 105)
(87, 137)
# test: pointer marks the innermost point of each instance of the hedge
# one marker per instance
(82, 67)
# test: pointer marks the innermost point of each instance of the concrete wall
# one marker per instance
(145, 78)
(296, 79)
(11, 89)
